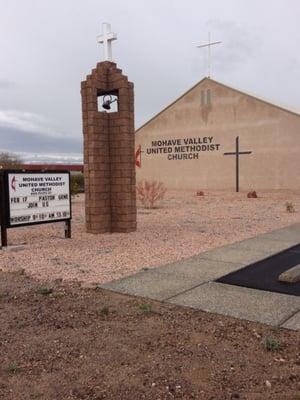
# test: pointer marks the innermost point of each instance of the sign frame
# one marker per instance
(5, 204)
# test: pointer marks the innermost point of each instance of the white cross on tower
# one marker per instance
(106, 38)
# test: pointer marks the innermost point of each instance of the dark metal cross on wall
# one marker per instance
(237, 154)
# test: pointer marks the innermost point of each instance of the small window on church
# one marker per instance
(108, 103)
(205, 97)
(208, 97)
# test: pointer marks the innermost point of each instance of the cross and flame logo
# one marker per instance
(138, 157)
(13, 183)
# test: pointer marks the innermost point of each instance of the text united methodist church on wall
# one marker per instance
(193, 143)
(182, 149)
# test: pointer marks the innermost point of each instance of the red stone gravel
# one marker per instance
(183, 225)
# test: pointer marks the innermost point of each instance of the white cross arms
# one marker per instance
(106, 38)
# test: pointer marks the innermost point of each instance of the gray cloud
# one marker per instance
(156, 47)
(6, 84)
(239, 44)
(18, 140)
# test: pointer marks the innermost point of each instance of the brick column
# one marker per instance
(109, 161)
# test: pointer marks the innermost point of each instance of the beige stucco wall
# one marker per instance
(271, 133)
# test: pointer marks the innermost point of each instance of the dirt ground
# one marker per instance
(60, 341)
(184, 225)
(64, 342)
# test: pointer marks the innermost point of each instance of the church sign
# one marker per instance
(30, 198)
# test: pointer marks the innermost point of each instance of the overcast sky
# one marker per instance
(49, 46)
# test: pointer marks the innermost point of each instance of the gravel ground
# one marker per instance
(182, 226)
(60, 342)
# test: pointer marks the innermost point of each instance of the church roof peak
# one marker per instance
(243, 92)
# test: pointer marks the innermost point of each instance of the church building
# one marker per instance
(218, 137)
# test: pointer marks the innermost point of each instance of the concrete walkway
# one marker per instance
(190, 282)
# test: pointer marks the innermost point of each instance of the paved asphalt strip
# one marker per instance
(264, 274)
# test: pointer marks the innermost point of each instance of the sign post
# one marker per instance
(34, 197)
(2, 212)
(68, 229)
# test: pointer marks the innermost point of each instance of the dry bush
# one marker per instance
(150, 193)
(289, 206)
(10, 161)
(77, 183)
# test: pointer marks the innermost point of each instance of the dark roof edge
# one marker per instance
(226, 86)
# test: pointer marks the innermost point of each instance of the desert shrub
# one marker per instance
(289, 206)
(252, 195)
(10, 160)
(199, 193)
(150, 193)
(271, 344)
(74, 187)
(145, 308)
(45, 291)
(13, 369)
(77, 184)
(104, 311)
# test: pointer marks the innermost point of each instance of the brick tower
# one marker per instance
(109, 160)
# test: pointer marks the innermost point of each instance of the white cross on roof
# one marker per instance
(208, 45)
(106, 38)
